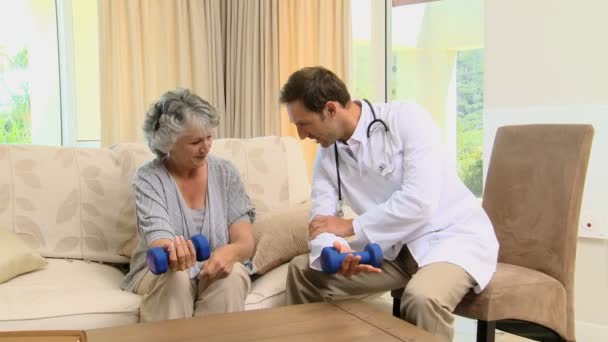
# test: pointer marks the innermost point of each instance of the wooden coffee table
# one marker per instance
(43, 335)
(339, 321)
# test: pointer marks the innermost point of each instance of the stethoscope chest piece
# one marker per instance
(339, 209)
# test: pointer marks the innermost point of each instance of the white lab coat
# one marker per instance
(422, 203)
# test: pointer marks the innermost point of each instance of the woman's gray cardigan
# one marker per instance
(163, 214)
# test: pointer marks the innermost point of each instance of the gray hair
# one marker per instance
(170, 116)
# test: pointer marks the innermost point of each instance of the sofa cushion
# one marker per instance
(280, 235)
(16, 257)
(272, 168)
(70, 202)
(268, 291)
(129, 246)
(67, 294)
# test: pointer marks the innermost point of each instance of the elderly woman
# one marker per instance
(185, 191)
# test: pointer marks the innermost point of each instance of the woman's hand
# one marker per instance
(220, 263)
(222, 259)
(182, 254)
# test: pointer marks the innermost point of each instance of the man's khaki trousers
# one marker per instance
(431, 292)
(174, 295)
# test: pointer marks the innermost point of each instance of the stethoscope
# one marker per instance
(381, 168)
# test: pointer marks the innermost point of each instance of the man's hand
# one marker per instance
(220, 263)
(350, 265)
(330, 224)
(182, 254)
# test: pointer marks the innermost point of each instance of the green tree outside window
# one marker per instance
(469, 139)
(15, 113)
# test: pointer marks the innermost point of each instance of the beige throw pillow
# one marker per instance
(16, 257)
(280, 236)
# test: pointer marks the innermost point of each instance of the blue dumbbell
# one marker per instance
(331, 259)
(158, 258)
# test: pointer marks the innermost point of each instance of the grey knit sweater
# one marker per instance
(163, 214)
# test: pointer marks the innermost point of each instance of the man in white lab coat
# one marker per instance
(395, 174)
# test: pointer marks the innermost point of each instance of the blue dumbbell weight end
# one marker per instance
(331, 260)
(158, 258)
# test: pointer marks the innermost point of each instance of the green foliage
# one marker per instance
(14, 131)
(469, 83)
(15, 114)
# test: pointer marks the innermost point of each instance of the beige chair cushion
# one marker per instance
(16, 257)
(514, 290)
(280, 236)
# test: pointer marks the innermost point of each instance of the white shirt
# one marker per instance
(419, 201)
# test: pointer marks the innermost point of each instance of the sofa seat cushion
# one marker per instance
(268, 291)
(67, 294)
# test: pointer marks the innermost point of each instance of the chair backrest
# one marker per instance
(533, 196)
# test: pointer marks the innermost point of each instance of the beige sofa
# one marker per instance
(74, 207)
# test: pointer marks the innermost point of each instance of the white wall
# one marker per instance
(546, 61)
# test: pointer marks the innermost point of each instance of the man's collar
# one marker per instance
(360, 133)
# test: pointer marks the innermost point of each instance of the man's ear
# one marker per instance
(331, 108)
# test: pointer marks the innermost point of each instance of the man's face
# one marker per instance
(316, 126)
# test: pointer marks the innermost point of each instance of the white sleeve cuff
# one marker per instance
(316, 246)
(361, 239)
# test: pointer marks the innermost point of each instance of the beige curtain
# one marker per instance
(252, 62)
(149, 47)
(312, 32)
(225, 51)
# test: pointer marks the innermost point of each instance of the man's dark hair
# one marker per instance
(314, 86)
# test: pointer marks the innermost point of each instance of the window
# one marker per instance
(29, 74)
(368, 46)
(49, 73)
(431, 53)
